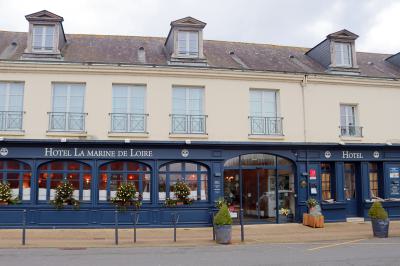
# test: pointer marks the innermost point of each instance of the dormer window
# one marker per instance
(43, 38)
(343, 54)
(188, 43)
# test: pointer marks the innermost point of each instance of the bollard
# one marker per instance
(135, 222)
(212, 223)
(23, 227)
(241, 226)
(116, 227)
(175, 221)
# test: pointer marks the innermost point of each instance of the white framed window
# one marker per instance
(343, 54)
(67, 108)
(43, 38)
(188, 110)
(11, 105)
(264, 119)
(128, 108)
(349, 120)
(188, 43)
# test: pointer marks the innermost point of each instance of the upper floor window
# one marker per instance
(43, 38)
(188, 111)
(128, 108)
(343, 54)
(11, 105)
(67, 109)
(264, 118)
(188, 43)
(349, 121)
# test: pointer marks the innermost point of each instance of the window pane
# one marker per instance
(103, 186)
(87, 178)
(42, 186)
(117, 166)
(161, 186)
(26, 186)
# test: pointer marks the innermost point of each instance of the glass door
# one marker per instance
(350, 191)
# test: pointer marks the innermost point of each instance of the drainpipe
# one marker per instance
(303, 85)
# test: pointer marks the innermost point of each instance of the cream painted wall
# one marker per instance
(226, 104)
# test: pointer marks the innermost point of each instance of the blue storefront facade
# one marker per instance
(263, 178)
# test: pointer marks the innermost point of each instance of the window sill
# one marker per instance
(188, 136)
(267, 137)
(350, 138)
(128, 134)
(66, 134)
(12, 132)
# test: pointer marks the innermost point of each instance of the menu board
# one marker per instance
(394, 175)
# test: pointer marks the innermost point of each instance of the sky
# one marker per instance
(302, 23)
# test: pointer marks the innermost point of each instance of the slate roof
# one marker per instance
(85, 48)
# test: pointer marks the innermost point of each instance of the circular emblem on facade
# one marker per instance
(328, 154)
(376, 154)
(185, 153)
(3, 151)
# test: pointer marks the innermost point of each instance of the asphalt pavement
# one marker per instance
(352, 252)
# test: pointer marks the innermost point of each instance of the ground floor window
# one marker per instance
(113, 174)
(327, 181)
(193, 174)
(350, 181)
(53, 173)
(18, 176)
(373, 180)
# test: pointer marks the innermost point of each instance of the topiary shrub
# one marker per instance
(377, 211)
(223, 216)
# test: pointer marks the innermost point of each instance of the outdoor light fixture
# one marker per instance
(188, 141)
(63, 140)
(1, 138)
(389, 143)
(127, 141)
(342, 143)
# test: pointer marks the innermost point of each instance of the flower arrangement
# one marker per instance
(284, 211)
(64, 195)
(311, 203)
(220, 202)
(126, 196)
(6, 196)
(182, 192)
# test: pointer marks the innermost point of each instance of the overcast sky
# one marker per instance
(285, 22)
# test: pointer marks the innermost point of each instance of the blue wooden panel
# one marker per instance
(64, 217)
(186, 216)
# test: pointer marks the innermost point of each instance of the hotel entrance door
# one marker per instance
(263, 175)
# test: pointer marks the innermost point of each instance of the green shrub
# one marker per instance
(377, 211)
(223, 216)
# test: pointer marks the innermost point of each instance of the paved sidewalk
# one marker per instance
(266, 233)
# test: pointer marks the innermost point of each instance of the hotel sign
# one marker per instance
(351, 155)
(97, 153)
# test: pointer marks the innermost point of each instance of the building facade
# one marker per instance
(268, 126)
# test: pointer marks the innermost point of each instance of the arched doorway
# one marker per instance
(268, 187)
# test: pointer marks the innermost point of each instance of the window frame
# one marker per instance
(341, 48)
(377, 181)
(187, 48)
(183, 172)
(43, 34)
(124, 172)
(330, 173)
(21, 171)
(6, 115)
(82, 177)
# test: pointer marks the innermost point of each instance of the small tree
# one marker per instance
(377, 211)
(223, 217)
(126, 196)
(64, 195)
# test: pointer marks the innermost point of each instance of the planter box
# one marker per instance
(313, 221)
(223, 234)
(380, 227)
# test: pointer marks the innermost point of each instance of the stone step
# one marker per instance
(355, 219)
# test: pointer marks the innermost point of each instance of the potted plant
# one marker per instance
(311, 204)
(126, 197)
(283, 215)
(64, 196)
(379, 219)
(223, 225)
(6, 196)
